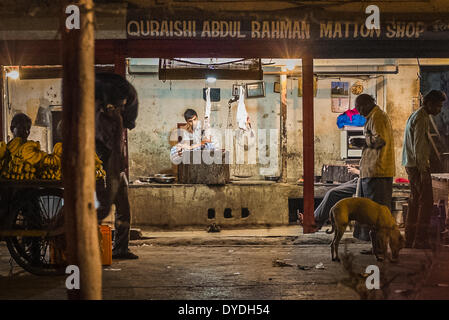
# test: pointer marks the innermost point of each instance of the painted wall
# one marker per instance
(327, 134)
(402, 93)
(162, 106)
(27, 96)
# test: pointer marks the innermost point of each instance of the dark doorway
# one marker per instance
(228, 213)
(211, 213)
(245, 212)
(298, 203)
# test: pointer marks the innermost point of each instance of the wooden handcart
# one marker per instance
(32, 224)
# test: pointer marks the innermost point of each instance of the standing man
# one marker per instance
(377, 165)
(415, 158)
(116, 107)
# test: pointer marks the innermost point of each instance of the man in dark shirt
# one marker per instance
(116, 107)
(416, 159)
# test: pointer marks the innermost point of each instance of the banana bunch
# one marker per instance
(19, 170)
(25, 161)
(2, 150)
(50, 167)
(22, 159)
(57, 150)
(14, 145)
(12, 164)
(30, 152)
(99, 171)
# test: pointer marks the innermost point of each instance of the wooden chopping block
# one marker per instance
(191, 172)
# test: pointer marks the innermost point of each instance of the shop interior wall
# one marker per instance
(402, 100)
(327, 134)
(162, 105)
(27, 96)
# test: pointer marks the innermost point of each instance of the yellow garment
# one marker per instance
(378, 154)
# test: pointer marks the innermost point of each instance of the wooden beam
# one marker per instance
(78, 160)
(308, 143)
(283, 125)
(48, 52)
(32, 233)
(52, 72)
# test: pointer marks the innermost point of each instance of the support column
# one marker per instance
(78, 159)
(283, 125)
(308, 143)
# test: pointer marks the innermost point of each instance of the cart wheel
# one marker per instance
(39, 210)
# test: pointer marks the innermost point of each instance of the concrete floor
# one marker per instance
(237, 264)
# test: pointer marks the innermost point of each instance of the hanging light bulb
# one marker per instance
(211, 80)
(13, 74)
(290, 64)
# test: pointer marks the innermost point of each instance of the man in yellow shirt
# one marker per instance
(415, 158)
(377, 165)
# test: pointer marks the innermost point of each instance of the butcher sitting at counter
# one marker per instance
(193, 136)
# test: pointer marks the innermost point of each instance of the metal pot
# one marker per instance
(271, 178)
(162, 175)
(164, 178)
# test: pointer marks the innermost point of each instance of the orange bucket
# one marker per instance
(106, 245)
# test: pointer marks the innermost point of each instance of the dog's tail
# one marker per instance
(332, 221)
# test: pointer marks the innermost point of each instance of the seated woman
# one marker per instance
(345, 190)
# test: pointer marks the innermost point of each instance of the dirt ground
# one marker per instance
(256, 264)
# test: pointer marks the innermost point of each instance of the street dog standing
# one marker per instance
(365, 211)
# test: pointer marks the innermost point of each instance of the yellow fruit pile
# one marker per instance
(99, 171)
(50, 167)
(21, 159)
(12, 160)
(25, 161)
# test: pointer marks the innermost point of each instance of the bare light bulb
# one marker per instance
(290, 64)
(14, 74)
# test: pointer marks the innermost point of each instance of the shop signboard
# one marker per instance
(159, 24)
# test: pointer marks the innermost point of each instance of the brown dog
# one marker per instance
(368, 212)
